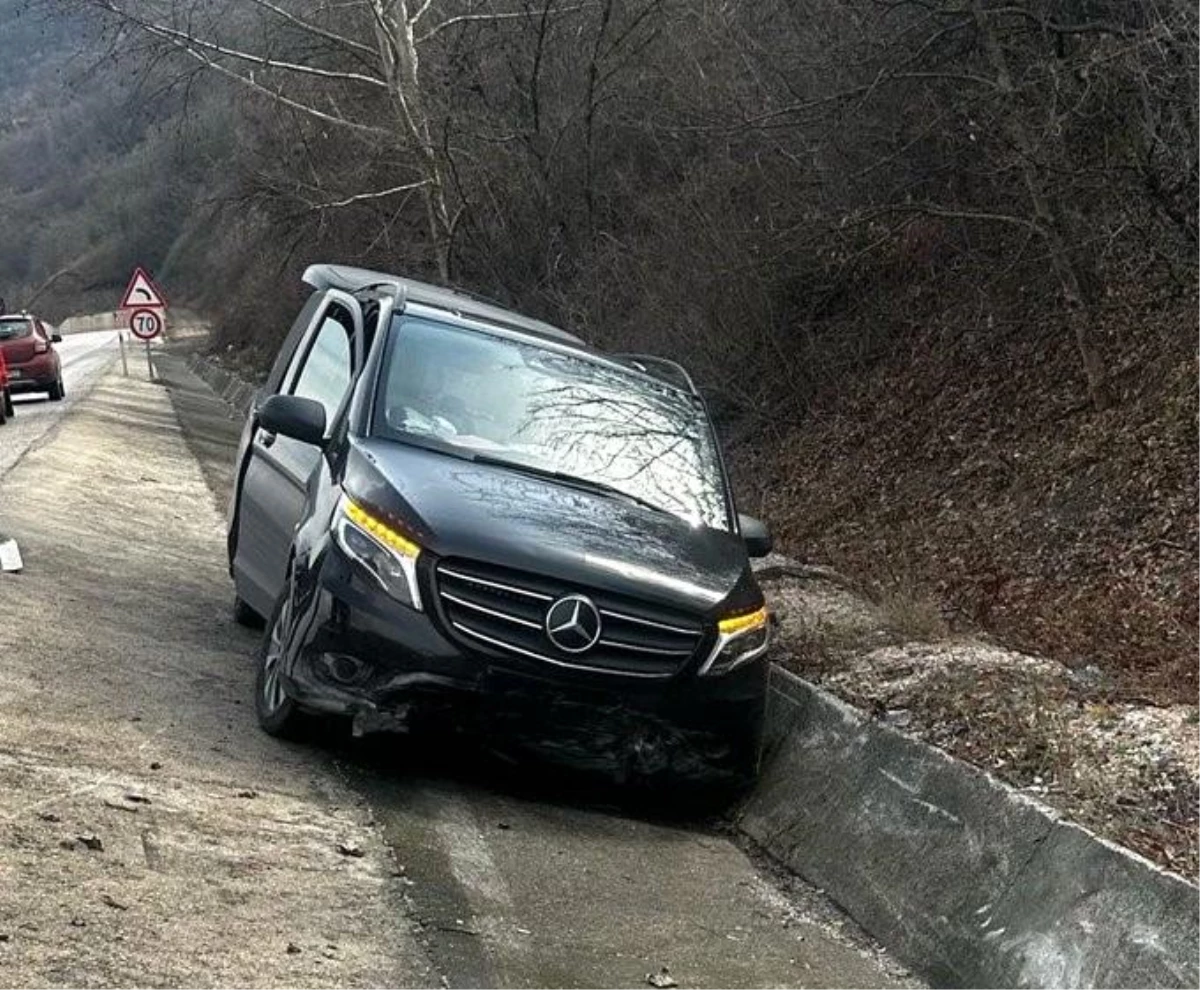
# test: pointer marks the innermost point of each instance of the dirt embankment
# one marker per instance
(968, 468)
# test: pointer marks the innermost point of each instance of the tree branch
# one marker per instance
(316, 29)
(264, 90)
(183, 38)
(934, 210)
(360, 197)
(498, 16)
(1087, 27)
(421, 11)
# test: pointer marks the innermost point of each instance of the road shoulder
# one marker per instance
(149, 833)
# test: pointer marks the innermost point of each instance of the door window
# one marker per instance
(327, 367)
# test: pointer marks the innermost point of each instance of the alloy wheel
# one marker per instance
(272, 686)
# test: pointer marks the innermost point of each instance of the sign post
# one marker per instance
(146, 324)
(147, 306)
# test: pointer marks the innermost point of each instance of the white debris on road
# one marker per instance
(10, 556)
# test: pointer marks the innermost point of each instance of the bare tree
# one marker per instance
(356, 68)
(787, 187)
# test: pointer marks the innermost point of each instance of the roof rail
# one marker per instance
(354, 280)
(651, 362)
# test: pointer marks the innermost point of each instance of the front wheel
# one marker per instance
(4, 413)
(57, 391)
(278, 714)
(8, 404)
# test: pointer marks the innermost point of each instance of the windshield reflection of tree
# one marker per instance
(527, 404)
(649, 444)
(524, 502)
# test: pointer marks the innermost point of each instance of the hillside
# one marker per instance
(100, 166)
(969, 469)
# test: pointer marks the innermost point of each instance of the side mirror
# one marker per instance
(56, 337)
(755, 535)
(292, 416)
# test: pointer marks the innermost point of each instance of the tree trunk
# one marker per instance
(401, 62)
(1061, 260)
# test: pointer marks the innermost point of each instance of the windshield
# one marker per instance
(475, 394)
(12, 329)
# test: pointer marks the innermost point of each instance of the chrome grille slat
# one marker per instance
(506, 609)
(446, 572)
(474, 606)
(617, 644)
(467, 630)
(622, 617)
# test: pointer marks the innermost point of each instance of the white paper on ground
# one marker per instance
(10, 556)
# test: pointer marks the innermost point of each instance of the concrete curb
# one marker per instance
(235, 391)
(967, 881)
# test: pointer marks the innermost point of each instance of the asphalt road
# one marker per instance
(150, 834)
(84, 357)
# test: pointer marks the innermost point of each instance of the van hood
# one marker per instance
(459, 508)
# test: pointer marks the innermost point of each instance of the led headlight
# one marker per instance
(740, 638)
(387, 554)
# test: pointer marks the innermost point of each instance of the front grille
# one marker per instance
(504, 610)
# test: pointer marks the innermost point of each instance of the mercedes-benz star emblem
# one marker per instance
(573, 624)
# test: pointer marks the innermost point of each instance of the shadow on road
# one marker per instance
(514, 768)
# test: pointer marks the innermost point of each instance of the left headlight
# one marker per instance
(740, 639)
(387, 554)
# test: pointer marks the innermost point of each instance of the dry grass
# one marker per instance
(910, 615)
(823, 626)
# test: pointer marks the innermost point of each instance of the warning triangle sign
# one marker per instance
(142, 293)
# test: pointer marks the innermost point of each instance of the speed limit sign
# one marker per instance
(146, 324)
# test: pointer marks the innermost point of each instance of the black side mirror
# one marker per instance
(755, 535)
(292, 416)
(56, 337)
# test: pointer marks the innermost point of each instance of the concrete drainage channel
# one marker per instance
(965, 880)
(235, 391)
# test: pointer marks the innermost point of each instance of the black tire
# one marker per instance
(278, 715)
(246, 616)
(57, 391)
(4, 410)
(9, 408)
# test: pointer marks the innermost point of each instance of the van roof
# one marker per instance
(355, 280)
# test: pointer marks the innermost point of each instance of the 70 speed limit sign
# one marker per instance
(146, 324)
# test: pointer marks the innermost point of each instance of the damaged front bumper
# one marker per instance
(361, 654)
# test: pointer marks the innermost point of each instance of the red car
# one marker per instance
(6, 402)
(28, 348)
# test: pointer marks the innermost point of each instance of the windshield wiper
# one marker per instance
(430, 441)
(587, 484)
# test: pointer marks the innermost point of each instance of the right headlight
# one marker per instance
(383, 551)
(740, 639)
